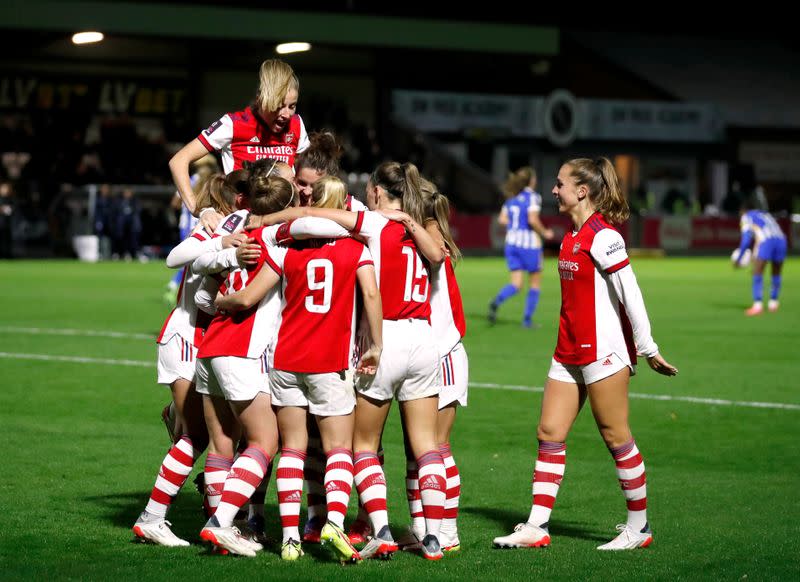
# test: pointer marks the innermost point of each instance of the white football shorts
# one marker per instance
(176, 359)
(590, 373)
(327, 394)
(409, 366)
(454, 374)
(232, 378)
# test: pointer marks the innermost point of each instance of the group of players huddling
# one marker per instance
(297, 301)
(302, 314)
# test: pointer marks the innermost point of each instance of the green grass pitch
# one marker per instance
(82, 441)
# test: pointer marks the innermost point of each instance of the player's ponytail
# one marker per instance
(215, 192)
(401, 181)
(276, 79)
(604, 192)
(329, 192)
(437, 209)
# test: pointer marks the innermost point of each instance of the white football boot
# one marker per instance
(157, 531)
(525, 536)
(629, 538)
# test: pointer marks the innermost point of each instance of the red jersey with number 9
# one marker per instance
(402, 275)
(316, 328)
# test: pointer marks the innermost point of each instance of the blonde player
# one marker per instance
(267, 128)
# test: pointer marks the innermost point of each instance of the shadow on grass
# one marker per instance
(507, 519)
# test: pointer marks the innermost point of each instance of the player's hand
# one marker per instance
(396, 215)
(661, 366)
(248, 252)
(368, 364)
(210, 219)
(254, 221)
(549, 234)
(234, 240)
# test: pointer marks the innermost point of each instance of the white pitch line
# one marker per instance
(77, 360)
(78, 332)
(664, 397)
(514, 387)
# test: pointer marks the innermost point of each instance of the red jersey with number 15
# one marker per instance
(316, 327)
(245, 136)
(402, 276)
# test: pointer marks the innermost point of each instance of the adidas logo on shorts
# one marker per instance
(607, 362)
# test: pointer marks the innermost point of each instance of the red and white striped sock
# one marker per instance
(363, 516)
(547, 475)
(633, 480)
(338, 484)
(412, 495)
(371, 484)
(245, 475)
(175, 468)
(315, 477)
(432, 490)
(453, 490)
(214, 473)
(256, 505)
(289, 482)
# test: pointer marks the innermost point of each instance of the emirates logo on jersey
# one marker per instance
(576, 248)
(289, 137)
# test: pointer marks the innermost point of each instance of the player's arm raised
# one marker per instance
(179, 166)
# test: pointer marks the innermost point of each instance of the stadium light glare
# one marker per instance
(292, 47)
(87, 37)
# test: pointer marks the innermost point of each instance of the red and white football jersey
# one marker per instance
(402, 275)
(185, 319)
(245, 136)
(245, 334)
(316, 331)
(447, 310)
(594, 323)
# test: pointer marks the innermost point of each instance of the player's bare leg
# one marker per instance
(445, 420)
(188, 446)
(561, 403)
(609, 401)
(289, 481)
(420, 421)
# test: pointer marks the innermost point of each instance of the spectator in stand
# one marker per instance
(104, 219)
(6, 220)
(128, 226)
